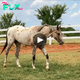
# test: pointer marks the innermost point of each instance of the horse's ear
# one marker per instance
(58, 27)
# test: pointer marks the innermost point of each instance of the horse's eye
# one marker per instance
(58, 33)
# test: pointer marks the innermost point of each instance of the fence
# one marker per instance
(50, 39)
(3, 35)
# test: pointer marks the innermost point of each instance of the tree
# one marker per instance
(70, 29)
(6, 21)
(16, 22)
(51, 15)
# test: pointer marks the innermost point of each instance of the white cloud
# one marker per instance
(24, 0)
(16, 1)
(3, 0)
(74, 6)
(76, 14)
(42, 2)
(7, 11)
(1, 5)
(35, 2)
(29, 11)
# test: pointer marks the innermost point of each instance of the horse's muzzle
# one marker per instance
(61, 43)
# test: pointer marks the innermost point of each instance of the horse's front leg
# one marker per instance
(17, 53)
(47, 57)
(33, 53)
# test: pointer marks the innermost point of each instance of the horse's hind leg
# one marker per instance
(17, 53)
(6, 54)
(47, 57)
(33, 53)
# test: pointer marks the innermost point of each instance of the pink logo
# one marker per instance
(11, 6)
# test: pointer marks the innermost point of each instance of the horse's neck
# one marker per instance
(36, 28)
(45, 31)
(48, 31)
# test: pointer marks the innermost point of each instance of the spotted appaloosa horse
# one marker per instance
(21, 35)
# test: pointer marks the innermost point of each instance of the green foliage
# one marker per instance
(6, 21)
(51, 15)
(70, 29)
(16, 22)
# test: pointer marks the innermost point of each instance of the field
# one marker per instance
(64, 63)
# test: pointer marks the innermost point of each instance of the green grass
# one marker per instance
(63, 66)
(65, 41)
(72, 40)
(2, 39)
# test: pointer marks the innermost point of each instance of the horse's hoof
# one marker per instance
(34, 68)
(4, 65)
(47, 68)
(19, 65)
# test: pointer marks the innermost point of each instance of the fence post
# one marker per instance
(50, 40)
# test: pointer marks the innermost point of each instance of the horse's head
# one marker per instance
(56, 33)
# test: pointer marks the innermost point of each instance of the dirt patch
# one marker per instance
(49, 48)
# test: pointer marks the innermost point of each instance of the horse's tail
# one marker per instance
(4, 46)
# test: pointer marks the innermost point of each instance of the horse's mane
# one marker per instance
(53, 26)
(46, 25)
(50, 27)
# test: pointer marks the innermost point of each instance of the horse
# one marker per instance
(21, 35)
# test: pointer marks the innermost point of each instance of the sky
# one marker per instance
(27, 15)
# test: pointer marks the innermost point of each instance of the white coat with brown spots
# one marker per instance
(21, 35)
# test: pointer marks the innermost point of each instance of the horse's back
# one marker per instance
(22, 35)
(16, 27)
